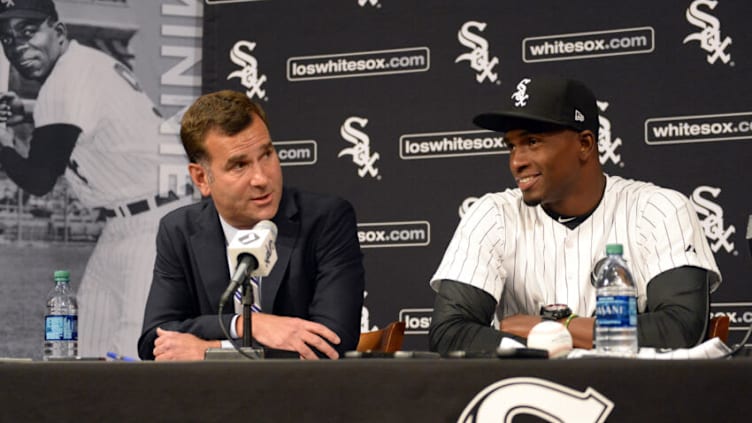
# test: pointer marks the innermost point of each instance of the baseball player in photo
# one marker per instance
(518, 251)
(94, 125)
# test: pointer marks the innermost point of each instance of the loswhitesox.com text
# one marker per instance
(451, 144)
(358, 64)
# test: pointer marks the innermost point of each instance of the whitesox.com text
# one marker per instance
(394, 234)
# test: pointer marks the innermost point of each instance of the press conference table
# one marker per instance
(364, 390)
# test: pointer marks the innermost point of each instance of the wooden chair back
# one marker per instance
(388, 339)
(719, 327)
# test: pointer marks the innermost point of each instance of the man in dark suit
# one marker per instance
(312, 299)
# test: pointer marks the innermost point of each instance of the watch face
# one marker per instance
(555, 311)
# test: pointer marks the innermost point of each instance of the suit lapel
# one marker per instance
(207, 246)
(288, 230)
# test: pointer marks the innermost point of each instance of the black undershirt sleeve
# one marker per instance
(461, 320)
(675, 317)
(50, 150)
(678, 308)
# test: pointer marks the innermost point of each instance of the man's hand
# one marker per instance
(292, 334)
(171, 345)
(581, 328)
(12, 110)
(519, 324)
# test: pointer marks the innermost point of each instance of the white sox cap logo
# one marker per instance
(520, 96)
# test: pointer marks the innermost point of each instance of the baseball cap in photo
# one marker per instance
(544, 102)
(30, 9)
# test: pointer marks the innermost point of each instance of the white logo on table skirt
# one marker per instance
(506, 399)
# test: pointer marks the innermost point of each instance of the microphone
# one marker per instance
(252, 253)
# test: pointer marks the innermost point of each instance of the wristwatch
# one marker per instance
(555, 311)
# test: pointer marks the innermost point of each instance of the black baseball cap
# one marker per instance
(542, 103)
(30, 9)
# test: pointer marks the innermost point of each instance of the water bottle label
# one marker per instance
(61, 328)
(617, 311)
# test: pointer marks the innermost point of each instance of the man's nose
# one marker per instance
(259, 176)
(517, 159)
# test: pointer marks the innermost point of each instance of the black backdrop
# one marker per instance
(368, 99)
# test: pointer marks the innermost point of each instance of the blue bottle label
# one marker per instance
(616, 311)
(61, 328)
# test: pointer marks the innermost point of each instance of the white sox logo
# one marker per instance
(712, 223)
(520, 96)
(465, 207)
(8, 3)
(361, 149)
(606, 146)
(362, 3)
(248, 74)
(709, 36)
(519, 396)
(478, 57)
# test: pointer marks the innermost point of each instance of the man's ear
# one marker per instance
(61, 31)
(201, 177)
(588, 144)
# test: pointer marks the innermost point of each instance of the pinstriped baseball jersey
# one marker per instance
(115, 162)
(524, 258)
(116, 159)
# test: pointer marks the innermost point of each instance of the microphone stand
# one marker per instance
(247, 351)
(247, 302)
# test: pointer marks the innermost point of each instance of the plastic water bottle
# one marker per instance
(61, 320)
(616, 306)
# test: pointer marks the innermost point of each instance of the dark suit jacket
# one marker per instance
(318, 276)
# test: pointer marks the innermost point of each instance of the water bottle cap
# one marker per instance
(61, 275)
(614, 249)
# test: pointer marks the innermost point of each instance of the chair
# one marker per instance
(388, 339)
(719, 327)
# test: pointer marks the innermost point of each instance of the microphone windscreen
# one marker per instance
(268, 225)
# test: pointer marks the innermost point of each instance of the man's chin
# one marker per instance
(531, 202)
(31, 75)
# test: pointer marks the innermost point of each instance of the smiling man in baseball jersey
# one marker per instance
(93, 124)
(519, 252)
